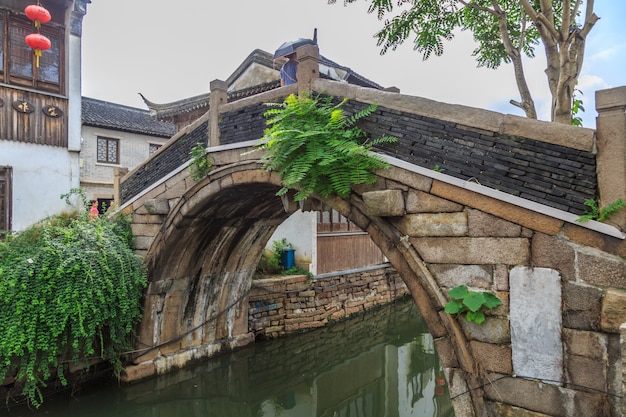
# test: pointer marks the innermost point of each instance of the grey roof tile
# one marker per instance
(114, 116)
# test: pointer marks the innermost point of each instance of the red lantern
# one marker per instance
(38, 14)
(39, 43)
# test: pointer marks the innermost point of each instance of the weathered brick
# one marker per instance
(433, 224)
(613, 310)
(582, 306)
(510, 212)
(493, 357)
(586, 372)
(602, 270)
(421, 202)
(479, 251)
(493, 330)
(384, 203)
(483, 224)
(449, 276)
(555, 253)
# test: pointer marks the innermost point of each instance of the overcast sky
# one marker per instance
(172, 50)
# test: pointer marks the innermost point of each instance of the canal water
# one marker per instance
(379, 364)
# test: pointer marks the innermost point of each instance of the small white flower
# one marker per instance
(29, 260)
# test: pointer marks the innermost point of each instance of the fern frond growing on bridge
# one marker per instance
(316, 148)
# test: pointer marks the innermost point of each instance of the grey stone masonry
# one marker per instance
(546, 173)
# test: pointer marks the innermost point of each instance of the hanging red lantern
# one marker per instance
(39, 43)
(38, 14)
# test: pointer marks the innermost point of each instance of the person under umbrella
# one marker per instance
(288, 50)
(289, 70)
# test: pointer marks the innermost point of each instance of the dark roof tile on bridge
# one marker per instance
(114, 116)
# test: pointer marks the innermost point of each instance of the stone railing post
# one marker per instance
(217, 97)
(611, 142)
(118, 174)
(308, 68)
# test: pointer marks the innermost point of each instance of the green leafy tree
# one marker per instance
(505, 30)
(71, 291)
(315, 147)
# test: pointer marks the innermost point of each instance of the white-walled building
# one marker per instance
(115, 136)
(39, 112)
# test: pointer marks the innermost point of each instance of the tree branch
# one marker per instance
(544, 26)
(566, 21)
(477, 7)
(590, 20)
(576, 7)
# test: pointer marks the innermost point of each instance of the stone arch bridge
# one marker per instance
(502, 217)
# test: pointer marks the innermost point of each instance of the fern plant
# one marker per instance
(316, 148)
(200, 165)
(601, 214)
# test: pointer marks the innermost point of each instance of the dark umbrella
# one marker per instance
(290, 47)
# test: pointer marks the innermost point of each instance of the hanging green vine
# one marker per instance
(71, 290)
(316, 148)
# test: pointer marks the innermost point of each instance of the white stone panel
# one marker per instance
(535, 297)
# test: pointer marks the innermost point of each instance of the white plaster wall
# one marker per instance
(40, 175)
(535, 298)
(256, 74)
(97, 178)
(300, 229)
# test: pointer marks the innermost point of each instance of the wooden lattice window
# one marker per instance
(108, 150)
(5, 199)
(17, 60)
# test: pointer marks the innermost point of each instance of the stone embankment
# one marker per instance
(283, 305)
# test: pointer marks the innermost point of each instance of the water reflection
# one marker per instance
(382, 363)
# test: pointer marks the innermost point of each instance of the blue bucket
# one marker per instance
(288, 258)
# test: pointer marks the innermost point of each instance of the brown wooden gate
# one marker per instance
(343, 246)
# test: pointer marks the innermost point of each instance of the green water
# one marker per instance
(379, 364)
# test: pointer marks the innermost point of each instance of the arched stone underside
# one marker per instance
(203, 257)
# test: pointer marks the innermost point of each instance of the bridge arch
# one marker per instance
(201, 263)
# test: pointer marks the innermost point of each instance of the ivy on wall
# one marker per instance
(71, 290)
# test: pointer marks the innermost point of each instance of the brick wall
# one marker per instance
(243, 124)
(282, 305)
(546, 173)
(173, 155)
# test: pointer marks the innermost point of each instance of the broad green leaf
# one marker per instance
(474, 301)
(477, 317)
(491, 301)
(453, 307)
(459, 292)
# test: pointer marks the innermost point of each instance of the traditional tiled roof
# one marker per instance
(258, 56)
(114, 116)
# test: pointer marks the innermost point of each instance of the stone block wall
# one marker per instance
(283, 305)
